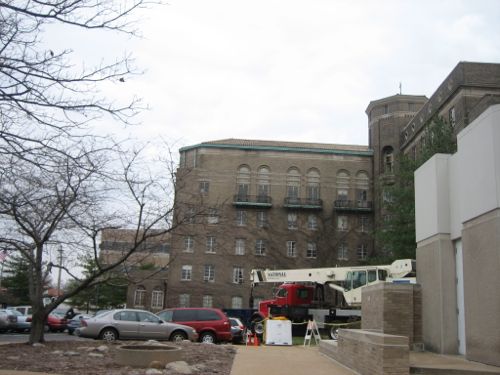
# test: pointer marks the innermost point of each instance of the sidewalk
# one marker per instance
(284, 360)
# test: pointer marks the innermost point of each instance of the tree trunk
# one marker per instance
(37, 326)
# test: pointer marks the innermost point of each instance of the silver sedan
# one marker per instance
(133, 324)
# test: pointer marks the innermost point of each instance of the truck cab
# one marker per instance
(287, 299)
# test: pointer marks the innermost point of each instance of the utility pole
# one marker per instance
(59, 275)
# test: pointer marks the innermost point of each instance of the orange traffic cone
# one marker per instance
(255, 340)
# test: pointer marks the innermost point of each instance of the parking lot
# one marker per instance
(23, 337)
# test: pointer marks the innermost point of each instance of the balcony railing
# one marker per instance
(303, 203)
(347, 205)
(252, 200)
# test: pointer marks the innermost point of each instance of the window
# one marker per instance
(313, 186)
(387, 196)
(190, 216)
(238, 275)
(184, 300)
(342, 194)
(291, 249)
(364, 224)
(204, 187)
(208, 301)
(342, 223)
(129, 316)
(243, 182)
(188, 244)
(211, 244)
(140, 296)
(452, 118)
(292, 185)
(388, 160)
(262, 221)
(157, 298)
(260, 247)
(186, 272)
(263, 184)
(362, 251)
(256, 302)
(236, 302)
(292, 221)
(312, 222)
(213, 216)
(343, 252)
(241, 218)
(209, 273)
(239, 248)
(312, 251)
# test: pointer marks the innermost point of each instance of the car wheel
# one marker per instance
(178, 336)
(334, 333)
(108, 334)
(207, 338)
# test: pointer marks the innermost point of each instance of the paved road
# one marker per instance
(23, 337)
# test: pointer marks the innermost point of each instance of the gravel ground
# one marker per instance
(96, 358)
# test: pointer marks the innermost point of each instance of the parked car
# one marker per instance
(133, 324)
(8, 320)
(76, 322)
(22, 324)
(211, 324)
(54, 323)
(25, 310)
(237, 330)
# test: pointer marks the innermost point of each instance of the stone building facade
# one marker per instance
(262, 204)
(146, 269)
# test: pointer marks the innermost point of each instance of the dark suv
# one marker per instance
(211, 324)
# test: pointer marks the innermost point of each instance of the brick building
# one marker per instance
(244, 204)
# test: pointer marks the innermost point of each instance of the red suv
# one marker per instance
(211, 324)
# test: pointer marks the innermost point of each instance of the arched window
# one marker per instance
(243, 182)
(157, 298)
(313, 186)
(263, 183)
(362, 188)
(293, 185)
(388, 159)
(139, 296)
(342, 182)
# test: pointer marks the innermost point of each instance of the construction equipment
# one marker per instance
(302, 295)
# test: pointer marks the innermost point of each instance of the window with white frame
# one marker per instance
(204, 187)
(157, 298)
(293, 184)
(140, 296)
(213, 216)
(342, 223)
(260, 247)
(312, 222)
(292, 221)
(263, 183)
(262, 220)
(208, 301)
(239, 248)
(238, 275)
(211, 244)
(188, 244)
(243, 182)
(241, 218)
(312, 250)
(342, 194)
(291, 249)
(452, 117)
(343, 252)
(236, 302)
(209, 272)
(186, 272)
(184, 300)
(362, 251)
(313, 185)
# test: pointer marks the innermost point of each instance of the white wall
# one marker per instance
(450, 190)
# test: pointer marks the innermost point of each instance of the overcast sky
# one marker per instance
(293, 70)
